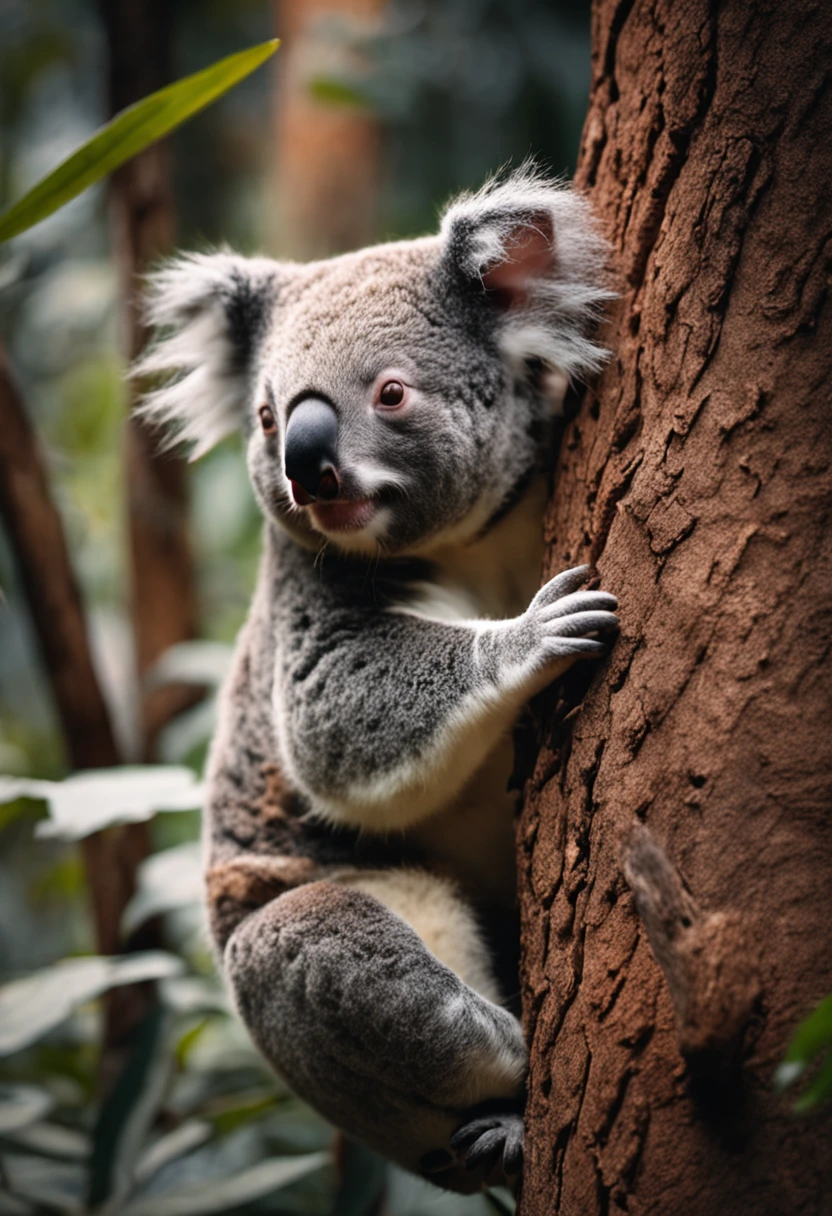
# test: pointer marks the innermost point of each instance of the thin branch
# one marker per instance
(36, 534)
(37, 539)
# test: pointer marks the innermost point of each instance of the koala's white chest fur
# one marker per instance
(495, 578)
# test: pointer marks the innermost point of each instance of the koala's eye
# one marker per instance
(392, 393)
(267, 420)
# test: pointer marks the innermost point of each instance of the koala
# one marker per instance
(396, 406)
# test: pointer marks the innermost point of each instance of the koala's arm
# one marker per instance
(382, 717)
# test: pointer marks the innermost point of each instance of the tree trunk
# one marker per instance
(328, 155)
(697, 478)
(162, 578)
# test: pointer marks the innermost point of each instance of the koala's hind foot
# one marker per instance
(491, 1145)
(345, 1000)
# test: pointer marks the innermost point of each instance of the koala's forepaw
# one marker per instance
(564, 619)
(491, 1145)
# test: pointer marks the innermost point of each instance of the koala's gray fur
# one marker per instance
(359, 842)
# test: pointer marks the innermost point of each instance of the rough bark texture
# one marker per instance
(675, 846)
(162, 578)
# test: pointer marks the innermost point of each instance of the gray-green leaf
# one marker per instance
(131, 131)
(88, 801)
(213, 1196)
(31, 1007)
(21, 1105)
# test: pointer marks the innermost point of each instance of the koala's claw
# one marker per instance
(489, 1141)
(489, 1144)
(567, 622)
(562, 584)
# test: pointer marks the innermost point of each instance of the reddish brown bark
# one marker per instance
(698, 477)
(162, 579)
(328, 155)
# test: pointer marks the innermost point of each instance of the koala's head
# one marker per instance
(390, 398)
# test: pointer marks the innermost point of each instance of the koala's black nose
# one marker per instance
(311, 448)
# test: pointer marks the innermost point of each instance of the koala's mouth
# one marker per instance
(344, 515)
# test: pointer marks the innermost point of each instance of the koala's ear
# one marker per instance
(528, 249)
(210, 313)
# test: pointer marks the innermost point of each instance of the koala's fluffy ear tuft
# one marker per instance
(530, 245)
(210, 312)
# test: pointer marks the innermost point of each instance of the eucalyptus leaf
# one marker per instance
(363, 1176)
(21, 1105)
(339, 92)
(166, 880)
(31, 1007)
(188, 731)
(818, 1090)
(813, 1035)
(500, 1201)
(10, 1205)
(192, 994)
(52, 1140)
(130, 132)
(195, 662)
(184, 1139)
(213, 1196)
(126, 1116)
(811, 1040)
(95, 799)
(47, 1184)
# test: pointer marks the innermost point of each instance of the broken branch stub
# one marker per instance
(709, 959)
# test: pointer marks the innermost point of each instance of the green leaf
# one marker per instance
(196, 662)
(183, 1139)
(131, 131)
(819, 1088)
(363, 1175)
(45, 1139)
(167, 880)
(812, 1039)
(89, 801)
(31, 1007)
(21, 1105)
(230, 1193)
(127, 1114)
(49, 1185)
(500, 1201)
(332, 91)
(813, 1035)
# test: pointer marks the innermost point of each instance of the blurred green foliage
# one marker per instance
(810, 1049)
(128, 133)
(460, 86)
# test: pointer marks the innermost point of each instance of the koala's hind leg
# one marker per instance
(346, 1001)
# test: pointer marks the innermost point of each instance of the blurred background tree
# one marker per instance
(370, 116)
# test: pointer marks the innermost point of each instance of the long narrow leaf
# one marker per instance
(131, 131)
(31, 1007)
(201, 1199)
(128, 1112)
(95, 799)
(21, 1105)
